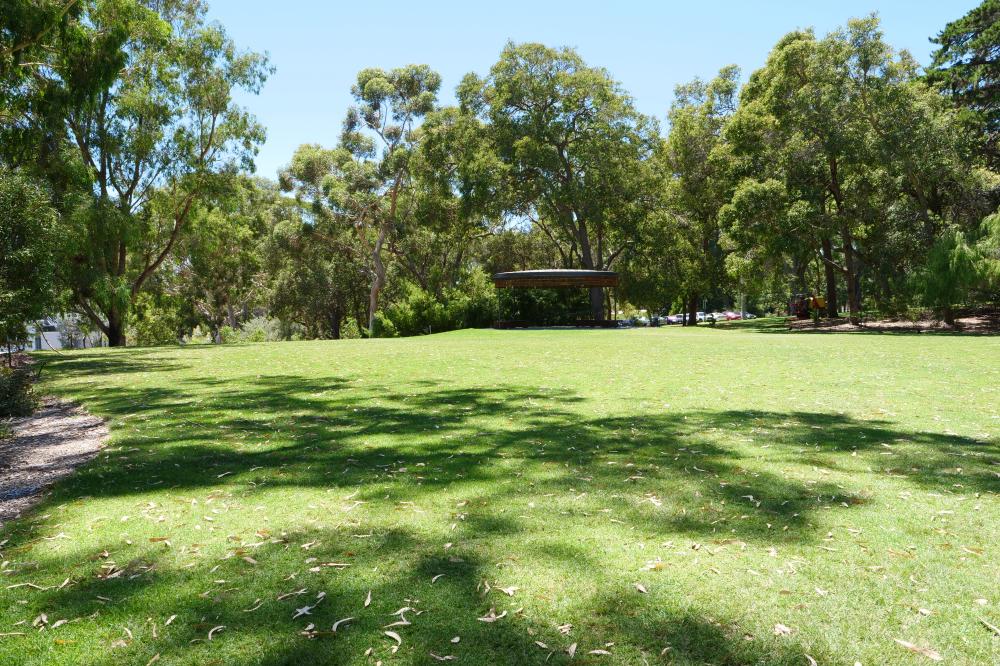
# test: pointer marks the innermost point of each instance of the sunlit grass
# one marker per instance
(843, 487)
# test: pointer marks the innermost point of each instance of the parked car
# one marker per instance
(700, 316)
(732, 316)
(675, 319)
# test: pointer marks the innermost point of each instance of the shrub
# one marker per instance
(384, 327)
(154, 322)
(17, 397)
(473, 303)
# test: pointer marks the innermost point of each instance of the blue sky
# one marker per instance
(318, 47)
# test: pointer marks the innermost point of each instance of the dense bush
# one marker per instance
(258, 329)
(472, 303)
(17, 398)
(155, 322)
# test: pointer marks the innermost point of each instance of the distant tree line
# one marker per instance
(841, 167)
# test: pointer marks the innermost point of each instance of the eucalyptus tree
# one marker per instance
(574, 151)
(147, 129)
(363, 182)
(697, 181)
(871, 162)
(454, 204)
(310, 280)
(216, 266)
(379, 134)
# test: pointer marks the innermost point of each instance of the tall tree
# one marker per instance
(967, 65)
(28, 236)
(144, 146)
(216, 264)
(363, 182)
(697, 179)
(379, 135)
(870, 158)
(575, 151)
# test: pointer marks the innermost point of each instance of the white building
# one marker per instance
(62, 332)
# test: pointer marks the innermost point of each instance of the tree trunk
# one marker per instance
(853, 290)
(831, 278)
(949, 315)
(597, 303)
(692, 311)
(116, 329)
(379, 282)
(335, 318)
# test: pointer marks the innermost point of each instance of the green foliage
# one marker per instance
(145, 129)
(383, 327)
(988, 250)
(573, 151)
(258, 329)
(470, 304)
(28, 247)
(967, 64)
(473, 302)
(154, 321)
(17, 396)
(419, 313)
(846, 159)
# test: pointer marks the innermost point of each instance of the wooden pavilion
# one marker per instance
(555, 279)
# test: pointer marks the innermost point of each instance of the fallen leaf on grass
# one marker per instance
(812, 662)
(368, 599)
(782, 630)
(571, 650)
(169, 620)
(340, 622)
(435, 579)
(542, 645)
(598, 652)
(933, 655)
(456, 639)
(641, 587)
(509, 591)
(215, 630)
(991, 627)
(447, 657)
(394, 636)
(492, 616)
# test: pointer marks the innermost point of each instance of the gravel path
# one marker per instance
(44, 448)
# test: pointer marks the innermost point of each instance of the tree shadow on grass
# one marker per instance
(174, 601)
(295, 432)
(480, 457)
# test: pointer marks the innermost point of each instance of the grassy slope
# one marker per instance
(833, 484)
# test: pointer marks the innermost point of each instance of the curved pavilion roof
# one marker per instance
(558, 277)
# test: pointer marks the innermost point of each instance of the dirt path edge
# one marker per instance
(43, 448)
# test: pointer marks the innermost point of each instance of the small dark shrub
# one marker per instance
(17, 398)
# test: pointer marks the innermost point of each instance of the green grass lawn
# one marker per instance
(497, 497)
